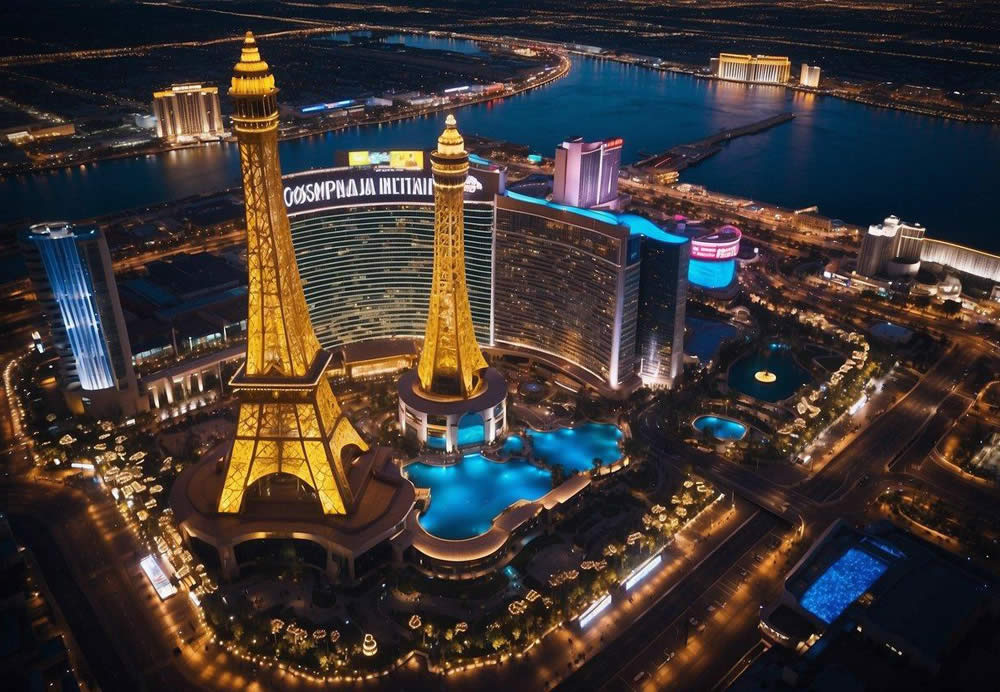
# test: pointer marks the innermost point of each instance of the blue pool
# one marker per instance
(467, 496)
(574, 449)
(841, 584)
(704, 337)
(512, 445)
(893, 333)
(776, 358)
(721, 428)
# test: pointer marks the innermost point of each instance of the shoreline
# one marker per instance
(565, 65)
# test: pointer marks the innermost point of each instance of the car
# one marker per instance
(710, 608)
(639, 677)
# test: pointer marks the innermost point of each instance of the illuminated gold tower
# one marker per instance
(450, 361)
(452, 399)
(289, 420)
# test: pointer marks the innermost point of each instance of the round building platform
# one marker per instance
(449, 424)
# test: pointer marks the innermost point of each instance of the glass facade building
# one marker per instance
(366, 269)
(567, 285)
(71, 273)
(662, 299)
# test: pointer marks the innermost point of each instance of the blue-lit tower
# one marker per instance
(71, 273)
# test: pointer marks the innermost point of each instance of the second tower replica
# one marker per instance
(452, 399)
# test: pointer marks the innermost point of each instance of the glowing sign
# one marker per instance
(454, 90)
(612, 143)
(409, 160)
(154, 573)
(642, 570)
(724, 244)
(595, 609)
(326, 106)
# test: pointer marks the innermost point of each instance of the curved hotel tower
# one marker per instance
(452, 399)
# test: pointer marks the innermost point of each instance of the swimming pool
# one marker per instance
(724, 429)
(574, 449)
(776, 358)
(467, 496)
(705, 337)
(512, 445)
(841, 584)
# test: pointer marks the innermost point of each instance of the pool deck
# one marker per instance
(504, 525)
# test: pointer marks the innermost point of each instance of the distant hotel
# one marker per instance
(809, 76)
(892, 247)
(759, 69)
(586, 173)
(187, 112)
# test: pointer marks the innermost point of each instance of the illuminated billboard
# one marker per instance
(333, 187)
(410, 160)
(722, 245)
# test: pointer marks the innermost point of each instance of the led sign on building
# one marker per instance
(154, 573)
(408, 160)
(339, 186)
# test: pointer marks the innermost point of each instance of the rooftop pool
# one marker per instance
(467, 496)
(574, 449)
(841, 584)
(777, 360)
(725, 429)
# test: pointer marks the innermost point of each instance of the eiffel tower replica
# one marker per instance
(452, 392)
(289, 420)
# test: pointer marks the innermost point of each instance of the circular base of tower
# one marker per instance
(385, 501)
(450, 424)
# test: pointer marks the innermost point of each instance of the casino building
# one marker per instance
(364, 240)
(556, 282)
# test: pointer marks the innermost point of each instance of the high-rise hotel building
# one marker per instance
(188, 112)
(663, 294)
(586, 173)
(892, 246)
(567, 286)
(763, 69)
(72, 276)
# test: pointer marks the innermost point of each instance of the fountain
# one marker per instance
(765, 376)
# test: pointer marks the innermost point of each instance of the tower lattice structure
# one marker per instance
(450, 360)
(289, 420)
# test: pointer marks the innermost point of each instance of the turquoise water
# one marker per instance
(721, 428)
(704, 337)
(467, 496)
(894, 333)
(778, 359)
(512, 445)
(575, 448)
(841, 584)
(833, 154)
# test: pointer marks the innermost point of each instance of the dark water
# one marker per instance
(857, 163)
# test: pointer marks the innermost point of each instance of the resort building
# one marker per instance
(586, 173)
(809, 76)
(567, 288)
(187, 112)
(760, 69)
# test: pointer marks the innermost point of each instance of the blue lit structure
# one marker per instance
(71, 273)
(841, 584)
(71, 287)
(711, 274)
